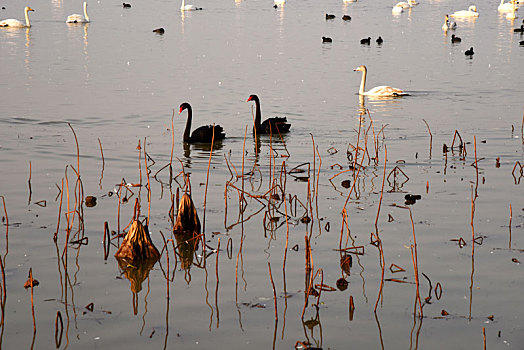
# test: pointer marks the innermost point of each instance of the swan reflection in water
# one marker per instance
(377, 104)
(201, 151)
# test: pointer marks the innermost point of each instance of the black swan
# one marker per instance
(126, 5)
(365, 41)
(469, 52)
(326, 39)
(271, 125)
(455, 39)
(380, 40)
(203, 133)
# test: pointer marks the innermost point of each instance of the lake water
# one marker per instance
(117, 82)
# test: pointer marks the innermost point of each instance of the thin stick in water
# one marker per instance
(274, 291)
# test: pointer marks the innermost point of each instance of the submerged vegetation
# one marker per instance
(292, 199)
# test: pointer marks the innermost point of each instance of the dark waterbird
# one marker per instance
(522, 43)
(365, 41)
(455, 39)
(271, 125)
(346, 18)
(202, 134)
(328, 16)
(469, 52)
(380, 40)
(126, 5)
(519, 30)
(326, 39)
(159, 30)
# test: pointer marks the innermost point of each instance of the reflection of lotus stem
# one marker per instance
(274, 292)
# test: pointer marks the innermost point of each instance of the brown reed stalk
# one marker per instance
(32, 302)
(148, 184)
(415, 259)
(173, 136)
(103, 163)
(476, 166)
(318, 175)
(207, 182)
(375, 137)
(6, 228)
(287, 223)
(510, 219)
(415, 268)
(29, 184)
(353, 184)
(270, 155)
(351, 308)
(77, 148)
(139, 148)
(241, 197)
(321, 286)
(380, 247)
(4, 295)
(382, 188)
(217, 281)
(314, 157)
(308, 291)
(69, 223)
(430, 137)
(380, 295)
(344, 221)
(274, 291)
(522, 129)
(356, 150)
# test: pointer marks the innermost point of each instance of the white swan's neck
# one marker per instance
(363, 82)
(184, 5)
(85, 11)
(27, 23)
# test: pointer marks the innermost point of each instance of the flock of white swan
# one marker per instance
(380, 91)
(74, 18)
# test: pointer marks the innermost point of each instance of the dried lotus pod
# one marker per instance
(187, 217)
(137, 245)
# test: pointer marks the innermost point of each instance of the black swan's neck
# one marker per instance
(188, 123)
(258, 115)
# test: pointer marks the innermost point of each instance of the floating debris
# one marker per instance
(27, 283)
(90, 201)
(342, 284)
(305, 219)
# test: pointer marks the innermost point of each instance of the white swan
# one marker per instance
(379, 91)
(470, 12)
(76, 18)
(279, 2)
(506, 7)
(397, 9)
(185, 7)
(449, 25)
(512, 14)
(14, 23)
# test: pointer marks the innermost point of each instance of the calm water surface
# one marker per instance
(115, 80)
